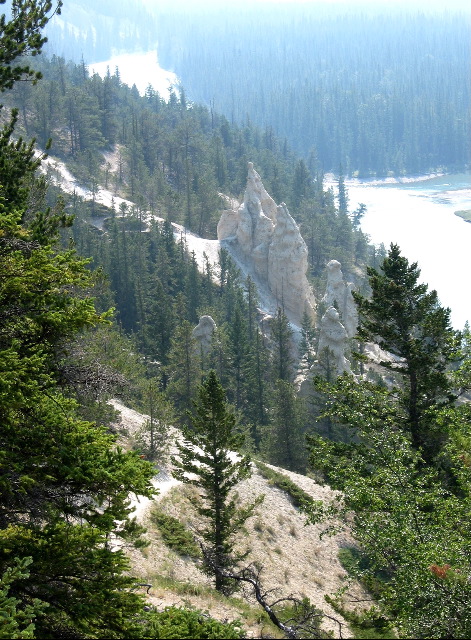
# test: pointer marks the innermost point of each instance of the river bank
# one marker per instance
(419, 214)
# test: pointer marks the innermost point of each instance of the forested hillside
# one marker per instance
(372, 91)
(174, 160)
(101, 302)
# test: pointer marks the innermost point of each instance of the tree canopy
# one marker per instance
(65, 485)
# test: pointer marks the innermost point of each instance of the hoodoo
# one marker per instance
(265, 235)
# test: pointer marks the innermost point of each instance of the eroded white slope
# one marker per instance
(203, 248)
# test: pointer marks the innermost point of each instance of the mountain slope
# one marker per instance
(293, 558)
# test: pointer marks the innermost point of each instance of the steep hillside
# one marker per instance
(202, 248)
(294, 559)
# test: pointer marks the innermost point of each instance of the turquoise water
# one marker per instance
(419, 216)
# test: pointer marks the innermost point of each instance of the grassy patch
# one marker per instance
(298, 496)
(175, 535)
(251, 615)
(182, 588)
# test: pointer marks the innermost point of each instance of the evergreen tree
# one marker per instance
(207, 454)
(283, 442)
(357, 215)
(308, 340)
(20, 35)
(65, 485)
(184, 367)
(238, 344)
(256, 385)
(17, 622)
(413, 534)
(153, 438)
(342, 194)
(282, 366)
(405, 319)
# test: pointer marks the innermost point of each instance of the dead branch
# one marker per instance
(305, 623)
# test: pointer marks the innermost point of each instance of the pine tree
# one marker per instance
(153, 438)
(283, 441)
(308, 339)
(238, 346)
(342, 194)
(405, 319)
(206, 460)
(184, 367)
(64, 483)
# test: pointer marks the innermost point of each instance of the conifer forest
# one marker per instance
(160, 397)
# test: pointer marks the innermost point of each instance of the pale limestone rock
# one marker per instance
(203, 333)
(303, 382)
(267, 237)
(333, 337)
(339, 292)
(376, 355)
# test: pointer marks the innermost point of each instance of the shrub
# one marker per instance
(175, 622)
(299, 497)
(175, 535)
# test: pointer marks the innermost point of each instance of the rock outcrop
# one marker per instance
(333, 338)
(339, 293)
(265, 235)
(203, 333)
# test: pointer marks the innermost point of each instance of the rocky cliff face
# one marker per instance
(338, 293)
(265, 235)
(332, 345)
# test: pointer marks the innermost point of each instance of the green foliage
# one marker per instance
(282, 358)
(153, 438)
(296, 616)
(405, 319)
(369, 624)
(65, 485)
(411, 528)
(175, 622)
(283, 440)
(308, 341)
(299, 497)
(21, 34)
(205, 461)
(175, 535)
(16, 622)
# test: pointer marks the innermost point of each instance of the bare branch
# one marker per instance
(305, 624)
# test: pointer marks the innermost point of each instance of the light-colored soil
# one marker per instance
(295, 560)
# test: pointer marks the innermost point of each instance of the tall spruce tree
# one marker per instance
(206, 460)
(283, 442)
(184, 367)
(406, 319)
(282, 363)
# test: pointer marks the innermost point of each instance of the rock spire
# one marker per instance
(265, 235)
(338, 293)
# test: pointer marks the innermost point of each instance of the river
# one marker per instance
(418, 214)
